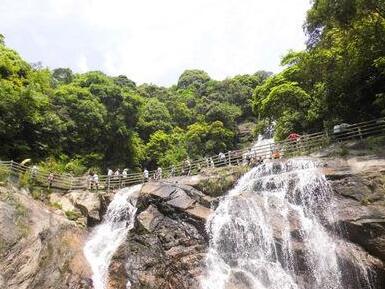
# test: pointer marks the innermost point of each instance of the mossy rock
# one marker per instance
(220, 180)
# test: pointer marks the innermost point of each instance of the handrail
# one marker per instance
(306, 143)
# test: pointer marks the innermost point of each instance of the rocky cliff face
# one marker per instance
(38, 247)
(41, 248)
(359, 187)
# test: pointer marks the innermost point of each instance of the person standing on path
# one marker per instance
(145, 175)
(50, 180)
(95, 180)
(109, 176)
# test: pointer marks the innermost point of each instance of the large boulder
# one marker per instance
(166, 249)
(177, 197)
(80, 203)
(88, 203)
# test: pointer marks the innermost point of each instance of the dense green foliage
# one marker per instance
(94, 120)
(78, 121)
(338, 78)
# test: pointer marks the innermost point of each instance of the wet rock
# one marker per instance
(167, 247)
(217, 183)
(360, 208)
(150, 218)
(353, 259)
(177, 198)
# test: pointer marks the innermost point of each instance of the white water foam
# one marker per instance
(270, 232)
(109, 235)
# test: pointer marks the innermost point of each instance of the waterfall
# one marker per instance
(272, 232)
(108, 236)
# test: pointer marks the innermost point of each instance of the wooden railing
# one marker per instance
(307, 143)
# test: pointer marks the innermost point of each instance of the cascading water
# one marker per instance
(270, 232)
(108, 236)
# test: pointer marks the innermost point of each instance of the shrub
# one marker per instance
(25, 180)
(375, 143)
(72, 215)
(4, 173)
(56, 205)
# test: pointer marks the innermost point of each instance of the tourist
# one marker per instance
(90, 180)
(124, 176)
(207, 160)
(248, 158)
(276, 154)
(34, 171)
(294, 139)
(159, 173)
(95, 181)
(222, 158)
(172, 173)
(145, 175)
(212, 164)
(117, 177)
(109, 177)
(187, 166)
(50, 179)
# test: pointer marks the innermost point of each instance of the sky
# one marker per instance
(154, 41)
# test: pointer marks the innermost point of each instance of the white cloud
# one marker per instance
(82, 64)
(152, 40)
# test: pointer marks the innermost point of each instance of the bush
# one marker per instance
(25, 180)
(56, 205)
(4, 173)
(375, 143)
(38, 194)
(343, 151)
(72, 215)
(64, 165)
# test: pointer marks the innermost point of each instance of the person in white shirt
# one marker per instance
(95, 179)
(159, 173)
(145, 175)
(34, 171)
(109, 177)
(172, 173)
(222, 158)
(124, 176)
(117, 177)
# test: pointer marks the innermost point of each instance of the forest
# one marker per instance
(72, 122)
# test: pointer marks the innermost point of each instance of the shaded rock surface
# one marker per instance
(167, 247)
(38, 248)
(359, 186)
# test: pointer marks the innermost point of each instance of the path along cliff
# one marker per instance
(42, 241)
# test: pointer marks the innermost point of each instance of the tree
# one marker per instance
(62, 76)
(27, 120)
(227, 113)
(192, 78)
(124, 82)
(204, 139)
(153, 116)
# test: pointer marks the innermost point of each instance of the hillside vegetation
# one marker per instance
(73, 121)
